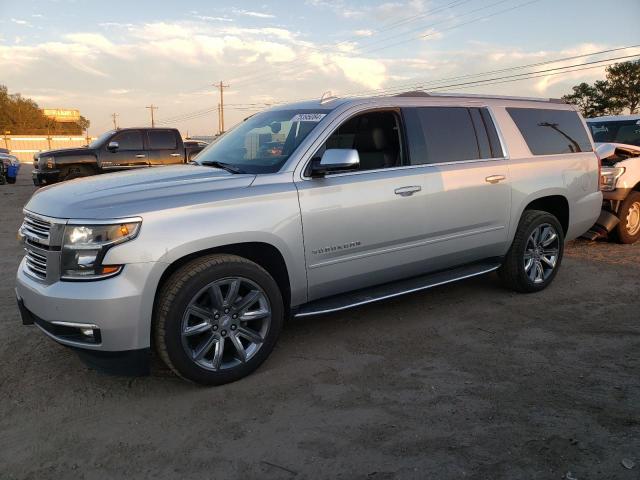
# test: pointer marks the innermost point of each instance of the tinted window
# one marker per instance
(162, 140)
(481, 133)
(618, 131)
(492, 133)
(441, 134)
(376, 137)
(128, 140)
(549, 132)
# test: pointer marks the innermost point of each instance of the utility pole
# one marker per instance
(221, 86)
(219, 127)
(152, 108)
(115, 123)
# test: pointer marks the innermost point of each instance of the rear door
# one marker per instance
(467, 187)
(163, 147)
(129, 154)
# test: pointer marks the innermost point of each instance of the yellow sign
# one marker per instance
(62, 115)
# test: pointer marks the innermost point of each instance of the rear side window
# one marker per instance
(162, 140)
(128, 140)
(451, 134)
(549, 132)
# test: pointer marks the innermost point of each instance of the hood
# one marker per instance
(66, 152)
(625, 147)
(125, 194)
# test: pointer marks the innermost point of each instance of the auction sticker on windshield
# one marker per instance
(308, 117)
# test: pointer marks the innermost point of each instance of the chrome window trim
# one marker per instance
(367, 108)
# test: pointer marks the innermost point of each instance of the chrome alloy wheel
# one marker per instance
(541, 253)
(226, 323)
(633, 219)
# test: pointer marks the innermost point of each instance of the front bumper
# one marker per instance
(617, 194)
(45, 177)
(119, 308)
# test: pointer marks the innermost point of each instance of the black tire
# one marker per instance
(77, 172)
(512, 272)
(622, 231)
(177, 293)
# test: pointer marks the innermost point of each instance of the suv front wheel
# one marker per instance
(217, 319)
(535, 254)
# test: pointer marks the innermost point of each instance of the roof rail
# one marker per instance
(497, 97)
(413, 93)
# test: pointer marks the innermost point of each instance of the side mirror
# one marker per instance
(113, 146)
(605, 150)
(335, 159)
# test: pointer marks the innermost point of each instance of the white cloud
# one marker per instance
(18, 21)
(118, 91)
(250, 13)
(363, 33)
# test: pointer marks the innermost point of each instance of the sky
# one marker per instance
(121, 56)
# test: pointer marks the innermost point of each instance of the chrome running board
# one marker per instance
(357, 298)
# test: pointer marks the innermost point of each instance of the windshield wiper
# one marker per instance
(222, 165)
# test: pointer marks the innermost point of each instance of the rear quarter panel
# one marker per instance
(573, 176)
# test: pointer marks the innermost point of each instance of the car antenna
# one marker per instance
(327, 97)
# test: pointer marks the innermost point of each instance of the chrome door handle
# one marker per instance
(495, 178)
(140, 156)
(407, 191)
(176, 155)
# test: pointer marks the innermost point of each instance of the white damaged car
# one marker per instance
(617, 140)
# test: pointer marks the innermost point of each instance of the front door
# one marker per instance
(129, 154)
(362, 227)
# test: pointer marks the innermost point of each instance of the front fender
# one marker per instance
(268, 214)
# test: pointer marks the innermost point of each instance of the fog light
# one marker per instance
(87, 332)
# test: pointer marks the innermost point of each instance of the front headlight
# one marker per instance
(47, 162)
(84, 248)
(609, 177)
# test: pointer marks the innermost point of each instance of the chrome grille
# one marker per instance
(36, 229)
(35, 262)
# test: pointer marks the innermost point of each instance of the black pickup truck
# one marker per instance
(121, 149)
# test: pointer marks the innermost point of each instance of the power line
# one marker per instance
(115, 123)
(365, 50)
(437, 84)
(387, 27)
(479, 82)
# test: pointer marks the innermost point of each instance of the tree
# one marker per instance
(619, 92)
(624, 85)
(20, 116)
(585, 97)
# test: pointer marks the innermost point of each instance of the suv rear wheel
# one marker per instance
(536, 253)
(217, 319)
(628, 230)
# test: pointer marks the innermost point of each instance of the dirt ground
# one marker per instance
(463, 381)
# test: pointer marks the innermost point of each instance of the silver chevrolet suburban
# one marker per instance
(301, 210)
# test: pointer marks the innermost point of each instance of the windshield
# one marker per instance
(617, 131)
(98, 142)
(263, 142)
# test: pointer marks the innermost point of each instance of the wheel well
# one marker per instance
(264, 254)
(556, 205)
